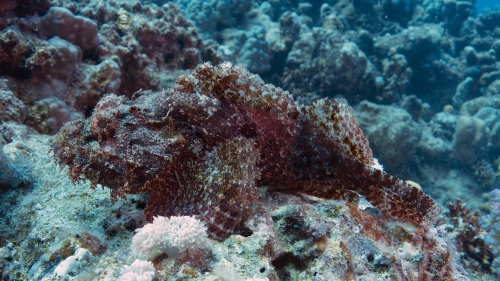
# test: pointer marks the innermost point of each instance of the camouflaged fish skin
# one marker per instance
(204, 148)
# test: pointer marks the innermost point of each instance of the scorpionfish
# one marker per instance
(204, 147)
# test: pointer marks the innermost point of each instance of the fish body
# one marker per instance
(204, 148)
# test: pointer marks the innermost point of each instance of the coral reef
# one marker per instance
(21, 8)
(105, 77)
(203, 148)
(326, 63)
(423, 77)
(77, 30)
(248, 48)
(475, 141)
(49, 114)
(52, 79)
(77, 54)
(491, 224)
(394, 128)
(469, 139)
(73, 264)
(464, 227)
(306, 238)
(138, 271)
(14, 170)
(11, 107)
(208, 15)
(175, 237)
(157, 40)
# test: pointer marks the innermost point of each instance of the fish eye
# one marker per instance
(102, 124)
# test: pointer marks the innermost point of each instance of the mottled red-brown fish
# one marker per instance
(204, 147)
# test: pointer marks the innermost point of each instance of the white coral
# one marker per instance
(73, 264)
(137, 271)
(173, 237)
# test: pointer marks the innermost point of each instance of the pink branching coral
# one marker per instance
(204, 147)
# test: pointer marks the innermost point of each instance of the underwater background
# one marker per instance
(422, 77)
(484, 4)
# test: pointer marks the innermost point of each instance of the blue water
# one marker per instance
(482, 4)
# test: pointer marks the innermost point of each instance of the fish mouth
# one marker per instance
(71, 145)
(64, 142)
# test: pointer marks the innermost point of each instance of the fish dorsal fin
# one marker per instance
(335, 118)
(236, 85)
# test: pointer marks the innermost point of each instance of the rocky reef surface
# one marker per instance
(423, 78)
